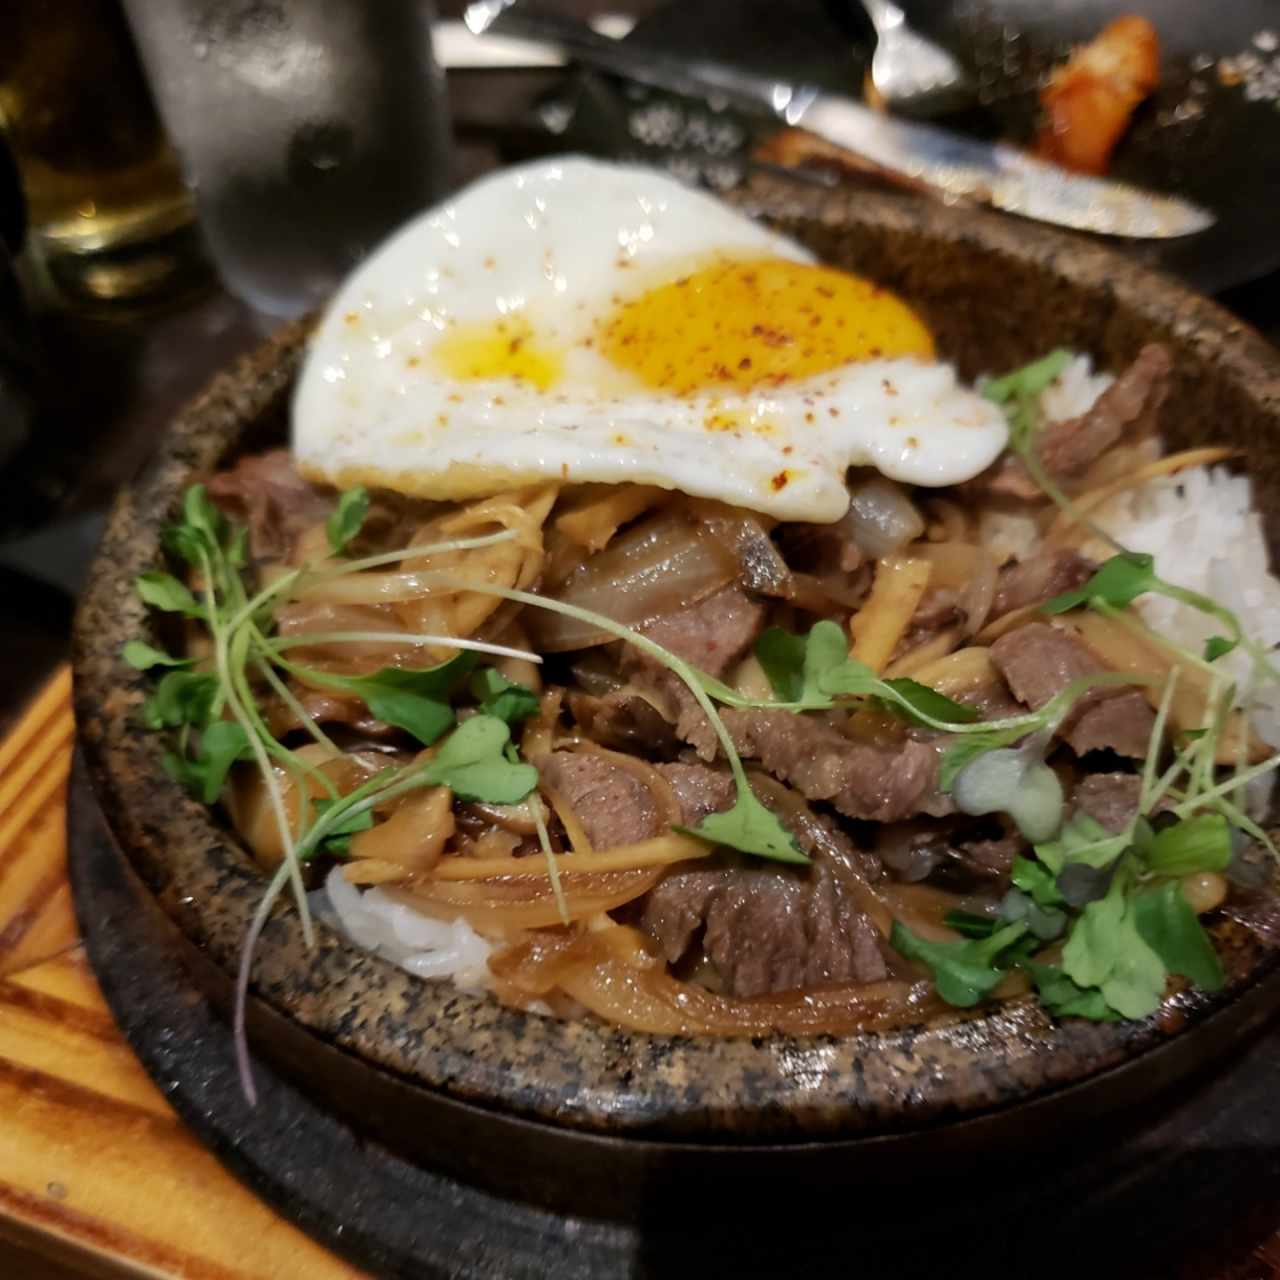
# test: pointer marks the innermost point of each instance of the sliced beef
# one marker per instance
(1039, 661)
(883, 782)
(623, 721)
(700, 791)
(938, 611)
(1047, 573)
(1109, 798)
(921, 849)
(1006, 477)
(675, 909)
(770, 931)
(992, 857)
(712, 634)
(614, 806)
(266, 490)
(1121, 722)
(822, 548)
(1128, 407)
(766, 927)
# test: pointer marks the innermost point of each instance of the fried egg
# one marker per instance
(577, 321)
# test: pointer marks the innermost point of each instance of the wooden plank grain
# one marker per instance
(36, 917)
(93, 1156)
(97, 1173)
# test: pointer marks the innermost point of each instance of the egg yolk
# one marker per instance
(740, 325)
(505, 350)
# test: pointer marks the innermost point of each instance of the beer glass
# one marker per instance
(107, 209)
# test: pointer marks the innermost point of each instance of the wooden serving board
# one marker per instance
(98, 1176)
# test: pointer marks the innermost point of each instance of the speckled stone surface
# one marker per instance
(996, 293)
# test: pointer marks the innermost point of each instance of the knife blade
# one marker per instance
(950, 164)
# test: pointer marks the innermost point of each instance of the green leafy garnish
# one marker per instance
(923, 705)
(970, 924)
(1044, 922)
(347, 518)
(1082, 839)
(1029, 382)
(503, 698)
(1118, 582)
(1066, 999)
(809, 672)
(222, 744)
(963, 972)
(793, 663)
(749, 826)
(1164, 920)
(164, 592)
(142, 656)
(1037, 880)
(1216, 647)
(181, 698)
(414, 700)
(339, 838)
(472, 763)
(1202, 843)
(1105, 950)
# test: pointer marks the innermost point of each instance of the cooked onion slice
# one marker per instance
(503, 905)
(656, 567)
(617, 974)
(881, 518)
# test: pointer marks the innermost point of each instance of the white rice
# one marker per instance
(1204, 534)
(421, 944)
(1198, 525)
(1074, 390)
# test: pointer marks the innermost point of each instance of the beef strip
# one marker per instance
(937, 611)
(1066, 448)
(712, 634)
(770, 931)
(882, 783)
(266, 490)
(1127, 407)
(768, 928)
(614, 806)
(879, 781)
(1120, 722)
(917, 850)
(699, 790)
(1039, 661)
(1046, 573)
(1109, 798)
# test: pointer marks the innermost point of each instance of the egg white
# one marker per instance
(558, 245)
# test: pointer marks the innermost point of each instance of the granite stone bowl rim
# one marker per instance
(580, 1074)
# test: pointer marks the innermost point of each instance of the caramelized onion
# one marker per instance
(503, 904)
(324, 617)
(656, 567)
(745, 536)
(617, 974)
(881, 518)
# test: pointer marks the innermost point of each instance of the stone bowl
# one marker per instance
(588, 1116)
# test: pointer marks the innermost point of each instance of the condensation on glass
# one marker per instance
(307, 130)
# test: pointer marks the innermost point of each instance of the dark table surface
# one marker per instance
(120, 375)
